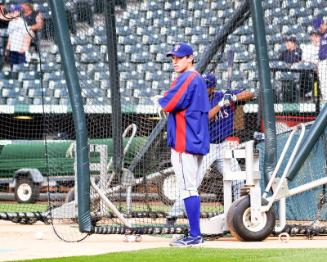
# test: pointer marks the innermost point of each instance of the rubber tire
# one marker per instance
(32, 188)
(167, 200)
(236, 225)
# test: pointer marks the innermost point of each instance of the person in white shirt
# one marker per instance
(310, 51)
(19, 38)
(310, 54)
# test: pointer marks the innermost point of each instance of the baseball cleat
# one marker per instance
(187, 241)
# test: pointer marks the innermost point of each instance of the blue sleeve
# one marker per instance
(178, 97)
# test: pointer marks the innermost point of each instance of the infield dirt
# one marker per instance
(21, 242)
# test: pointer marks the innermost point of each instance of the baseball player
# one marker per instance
(320, 24)
(221, 118)
(187, 134)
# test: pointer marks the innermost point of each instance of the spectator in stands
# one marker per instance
(310, 51)
(34, 19)
(320, 24)
(19, 37)
(23, 24)
(292, 54)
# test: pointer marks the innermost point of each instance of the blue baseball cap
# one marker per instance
(317, 22)
(210, 80)
(181, 50)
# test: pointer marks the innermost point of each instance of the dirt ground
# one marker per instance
(39, 241)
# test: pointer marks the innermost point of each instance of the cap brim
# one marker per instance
(174, 54)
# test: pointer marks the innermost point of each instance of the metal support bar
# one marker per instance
(74, 90)
(266, 93)
(283, 177)
(109, 204)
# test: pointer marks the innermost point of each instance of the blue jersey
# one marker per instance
(323, 47)
(222, 125)
(188, 104)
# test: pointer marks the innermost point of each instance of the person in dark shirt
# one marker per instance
(34, 19)
(293, 53)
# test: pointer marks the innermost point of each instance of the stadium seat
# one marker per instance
(64, 101)
(11, 101)
(9, 83)
(28, 75)
(85, 75)
(145, 101)
(60, 93)
(101, 75)
(89, 84)
(31, 84)
(80, 40)
(37, 101)
(61, 84)
(36, 92)
(300, 12)
(25, 67)
(91, 57)
(49, 66)
(53, 76)
(100, 40)
(10, 75)
(105, 84)
(23, 100)
(93, 92)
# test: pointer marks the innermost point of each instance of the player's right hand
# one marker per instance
(230, 97)
(157, 107)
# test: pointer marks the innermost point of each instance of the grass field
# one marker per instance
(206, 254)
(151, 206)
(15, 207)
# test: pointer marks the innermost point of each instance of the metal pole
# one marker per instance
(74, 90)
(265, 87)
(116, 117)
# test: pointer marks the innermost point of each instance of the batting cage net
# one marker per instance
(133, 186)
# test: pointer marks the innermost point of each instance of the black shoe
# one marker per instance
(171, 221)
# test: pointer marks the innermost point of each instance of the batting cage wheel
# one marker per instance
(240, 225)
(26, 191)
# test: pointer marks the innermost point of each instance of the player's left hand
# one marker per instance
(230, 97)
